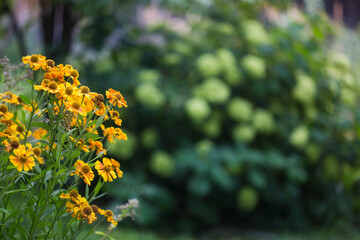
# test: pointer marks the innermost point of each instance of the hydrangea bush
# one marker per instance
(236, 120)
(51, 146)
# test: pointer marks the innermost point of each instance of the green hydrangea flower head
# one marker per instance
(197, 109)
(348, 97)
(229, 65)
(247, 199)
(305, 89)
(263, 121)
(172, 59)
(244, 133)
(213, 90)
(150, 95)
(225, 29)
(331, 167)
(299, 136)
(340, 61)
(240, 109)
(149, 138)
(208, 65)
(254, 66)
(254, 32)
(162, 164)
(204, 146)
(149, 76)
(212, 128)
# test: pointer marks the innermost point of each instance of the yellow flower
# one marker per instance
(73, 195)
(75, 107)
(36, 61)
(109, 215)
(48, 86)
(39, 133)
(22, 159)
(115, 116)
(116, 167)
(37, 152)
(84, 171)
(116, 98)
(98, 146)
(8, 132)
(13, 144)
(112, 133)
(4, 113)
(92, 129)
(9, 98)
(69, 92)
(88, 214)
(55, 76)
(105, 169)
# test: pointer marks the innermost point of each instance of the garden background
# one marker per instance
(242, 122)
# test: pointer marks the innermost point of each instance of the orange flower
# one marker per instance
(4, 113)
(22, 159)
(98, 146)
(116, 98)
(8, 132)
(112, 133)
(39, 133)
(73, 195)
(105, 170)
(74, 74)
(48, 86)
(109, 215)
(116, 167)
(69, 92)
(37, 152)
(36, 61)
(13, 144)
(92, 129)
(75, 107)
(115, 116)
(84, 171)
(55, 76)
(80, 208)
(101, 109)
(9, 97)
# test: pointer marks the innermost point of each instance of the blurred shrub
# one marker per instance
(236, 120)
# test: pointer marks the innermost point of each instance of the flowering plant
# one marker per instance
(50, 144)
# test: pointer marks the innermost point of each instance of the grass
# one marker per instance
(335, 233)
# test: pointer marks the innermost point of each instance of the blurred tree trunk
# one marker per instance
(57, 22)
(7, 9)
(346, 11)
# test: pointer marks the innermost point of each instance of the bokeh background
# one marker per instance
(243, 118)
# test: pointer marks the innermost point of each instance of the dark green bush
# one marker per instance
(235, 120)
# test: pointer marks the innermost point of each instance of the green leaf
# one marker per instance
(91, 136)
(20, 229)
(87, 192)
(25, 99)
(40, 124)
(29, 81)
(4, 210)
(97, 188)
(100, 196)
(17, 190)
(23, 116)
(60, 172)
(74, 154)
(47, 176)
(104, 234)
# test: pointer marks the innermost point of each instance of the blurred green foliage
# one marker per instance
(233, 119)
